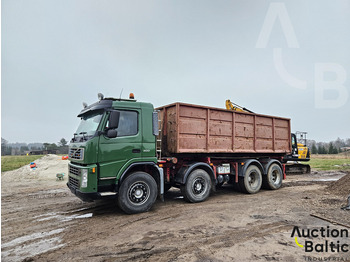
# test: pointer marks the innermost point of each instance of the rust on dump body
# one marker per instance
(190, 128)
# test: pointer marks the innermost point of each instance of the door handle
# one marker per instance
(136, 150)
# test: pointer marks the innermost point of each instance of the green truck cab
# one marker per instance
(114, 143)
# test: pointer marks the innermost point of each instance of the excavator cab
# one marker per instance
(294, 146)
(300, 153)
(303, 150)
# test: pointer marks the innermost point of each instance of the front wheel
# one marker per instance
(137, 193)
(252, 180)
(197, 187)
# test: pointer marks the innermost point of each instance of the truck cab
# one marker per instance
(115, 138)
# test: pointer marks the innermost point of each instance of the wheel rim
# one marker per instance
(253, 180)
(138, 193)
(275, 178)
(198, 186)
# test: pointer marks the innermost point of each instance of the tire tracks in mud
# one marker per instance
(200, 240)
(34, 222)
(171, 231)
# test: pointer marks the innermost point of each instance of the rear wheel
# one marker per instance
(252, 180)
(273, 179)
(197, 187)
(137, 193)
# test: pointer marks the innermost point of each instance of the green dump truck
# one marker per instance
(127, 150)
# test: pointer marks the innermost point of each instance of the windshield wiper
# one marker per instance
(83, 133)
(73, 139)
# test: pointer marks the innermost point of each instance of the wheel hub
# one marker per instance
(251, 178)
(138, 193)
(198, 186)
(274, 176)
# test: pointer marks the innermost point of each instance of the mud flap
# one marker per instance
(161, 183)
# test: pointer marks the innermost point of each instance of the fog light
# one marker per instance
(84, 178)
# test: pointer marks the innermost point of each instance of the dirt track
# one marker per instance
(45, 222)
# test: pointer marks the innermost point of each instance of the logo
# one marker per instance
(277, 13)
(322, 240)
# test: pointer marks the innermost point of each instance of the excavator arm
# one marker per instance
(235, 107)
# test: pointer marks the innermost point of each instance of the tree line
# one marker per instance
(333, 147)
(33, 148)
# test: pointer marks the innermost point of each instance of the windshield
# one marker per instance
(89, 124)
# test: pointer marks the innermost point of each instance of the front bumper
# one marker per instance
(91, 196)
(87, 197)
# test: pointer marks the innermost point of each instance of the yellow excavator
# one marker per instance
(300, 152)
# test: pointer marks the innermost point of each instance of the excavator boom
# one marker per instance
(235, 107)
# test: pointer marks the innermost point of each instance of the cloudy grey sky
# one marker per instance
(287, 58)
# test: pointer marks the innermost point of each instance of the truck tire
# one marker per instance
(137, 193)
(252, 180)
(273, 179)
(197, 187)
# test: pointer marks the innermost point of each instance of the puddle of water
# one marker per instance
(179, 197)
(20, 240)
(18, 253)
(68, 218)
(85, 215)
(45, 215)
(63, 218)
(77, 210)
(51, 191)
(326, 179)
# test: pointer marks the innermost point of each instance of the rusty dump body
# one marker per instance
(188, 129)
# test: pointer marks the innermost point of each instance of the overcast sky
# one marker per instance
(287, 58)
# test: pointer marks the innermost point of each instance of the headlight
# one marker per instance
(84, 177)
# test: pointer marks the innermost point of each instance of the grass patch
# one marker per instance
(329, 163)
(9, 163)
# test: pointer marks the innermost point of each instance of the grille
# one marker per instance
(74, 170)
(74, 182)
(76, 153)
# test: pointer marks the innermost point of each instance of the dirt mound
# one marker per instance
(47, 168)
(340, 187)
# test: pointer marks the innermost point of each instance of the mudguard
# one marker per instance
(181, 176)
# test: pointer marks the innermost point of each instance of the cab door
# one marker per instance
(294, 146)
(114, 153)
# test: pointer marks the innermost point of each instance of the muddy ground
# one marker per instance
(42, 221)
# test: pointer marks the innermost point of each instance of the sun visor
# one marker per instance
(100, 105)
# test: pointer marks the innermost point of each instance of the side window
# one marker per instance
(128, 124)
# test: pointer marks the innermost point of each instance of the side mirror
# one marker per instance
(113, 119)
(112, 133)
